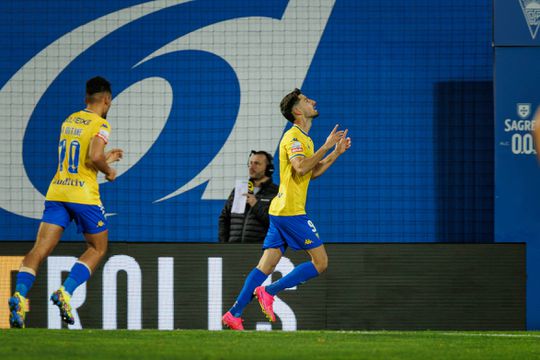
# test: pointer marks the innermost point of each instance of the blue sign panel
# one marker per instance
(517, 194)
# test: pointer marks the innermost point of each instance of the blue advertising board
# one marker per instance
(197, 85)
(517, 171)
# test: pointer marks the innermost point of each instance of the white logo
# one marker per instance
(523, 110)
(266, 63)
(531, 11)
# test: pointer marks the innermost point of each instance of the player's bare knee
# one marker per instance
(321, 264)
(101, 250)
(266, 269)
(98, 249)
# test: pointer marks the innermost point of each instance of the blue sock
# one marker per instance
(255, 278)
(300, 274)
(24, 282)
(79, 274)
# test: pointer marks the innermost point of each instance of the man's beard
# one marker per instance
(255, 177)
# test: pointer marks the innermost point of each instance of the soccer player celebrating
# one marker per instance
(289, 224)
(73, 195)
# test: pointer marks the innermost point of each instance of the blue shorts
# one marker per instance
(90, 219)
(298, 232)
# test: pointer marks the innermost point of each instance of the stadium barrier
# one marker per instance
(366, 287)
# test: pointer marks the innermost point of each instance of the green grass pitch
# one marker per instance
(311, 345)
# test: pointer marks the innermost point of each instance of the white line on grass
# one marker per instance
(493, 335)
(457, 333)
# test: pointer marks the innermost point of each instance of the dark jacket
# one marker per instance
(251, 226)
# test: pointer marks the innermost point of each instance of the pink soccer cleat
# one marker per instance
(267, 302)
(233, 323)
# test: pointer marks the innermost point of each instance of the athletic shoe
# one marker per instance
(233, 323)
(61, 299)
(17, 310)
(266, 301)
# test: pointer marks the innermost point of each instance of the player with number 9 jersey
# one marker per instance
(290, 226)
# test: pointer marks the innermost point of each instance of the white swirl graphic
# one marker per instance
(20, 95)
(270, 58)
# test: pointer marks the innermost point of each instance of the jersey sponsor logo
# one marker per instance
(297, 147)
(69, 182)
(78, 120)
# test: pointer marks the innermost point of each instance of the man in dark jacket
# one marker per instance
(251, 226)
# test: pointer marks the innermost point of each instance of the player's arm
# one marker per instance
(343, 145)
(324, 164)
(99, 160)
(303, 165)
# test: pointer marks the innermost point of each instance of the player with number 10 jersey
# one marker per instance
(76, 177)
(73, 195)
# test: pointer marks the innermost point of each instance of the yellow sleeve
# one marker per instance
(103, 131)
(294, 146)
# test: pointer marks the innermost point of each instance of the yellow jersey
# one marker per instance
(292, 195)
(75, 180)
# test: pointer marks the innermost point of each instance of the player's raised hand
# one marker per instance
(111, 175)
(344, 144)
(334, 137)
(114, 155)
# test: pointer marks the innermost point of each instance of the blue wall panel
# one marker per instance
(387, 71)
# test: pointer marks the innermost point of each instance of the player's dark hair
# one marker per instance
(97, 85)
(288, 103)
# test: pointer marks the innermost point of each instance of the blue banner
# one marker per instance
(517, 173)
(197, 85)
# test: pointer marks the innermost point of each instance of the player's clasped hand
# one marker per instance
(334, 137)
(114, 155)
(344, 144)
